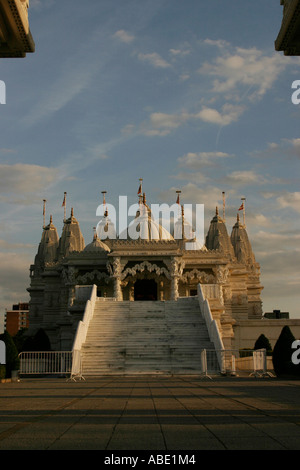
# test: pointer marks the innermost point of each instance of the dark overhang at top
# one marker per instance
(15, 36)
(288, 39)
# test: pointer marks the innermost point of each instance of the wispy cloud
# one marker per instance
(290, 200)
(199, 160)
(22, 178)
(154, 59)
(229, 113)
(162, 124)
(243, 178)
(124, 36)
(240, 69)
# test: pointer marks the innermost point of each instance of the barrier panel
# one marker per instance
(236, 363)
(45, 362)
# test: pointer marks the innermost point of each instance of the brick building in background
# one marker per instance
(17, 318)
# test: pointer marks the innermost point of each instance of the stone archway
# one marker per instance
(145, 289)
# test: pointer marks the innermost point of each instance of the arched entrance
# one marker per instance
(145, 289)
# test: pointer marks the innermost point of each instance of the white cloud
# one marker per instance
(161, 124)
(191, 193)
(154, 59)
(290, 200)
(170, 121)
(229, 114)
(217, 42)
(124, 36)
(198, 160)
(23, 178)
(180, 52)
(244, 177)
(240, 69)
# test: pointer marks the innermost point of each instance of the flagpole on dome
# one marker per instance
(178, 192)
(64, 205)
(140, 190)
(243, 208)
(44, 212)
(224, 202)
(104, 204)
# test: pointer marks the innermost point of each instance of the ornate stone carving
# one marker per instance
(221, 273)
(92, 275)
(145, 265)
(69, 275)
(201, 276)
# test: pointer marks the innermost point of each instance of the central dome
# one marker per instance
(144, 227)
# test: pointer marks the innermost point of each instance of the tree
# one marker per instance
(282, 353)
(19, 339)
(262, 342)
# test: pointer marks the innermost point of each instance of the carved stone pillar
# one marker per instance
(176, 272)
(115, 271)
(117, 288)
(174, 287)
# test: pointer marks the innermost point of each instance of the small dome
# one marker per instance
(106, 229)
(188, 235)
(96, 246)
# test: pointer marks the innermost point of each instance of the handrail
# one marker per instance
(81, 333)
(212, 327)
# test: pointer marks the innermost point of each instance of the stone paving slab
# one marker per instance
(155, 413)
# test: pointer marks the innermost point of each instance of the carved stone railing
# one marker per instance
(81, 333)
(212, 327)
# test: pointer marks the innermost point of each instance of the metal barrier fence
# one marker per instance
(46, 362)
(214, 362)
(236, 362)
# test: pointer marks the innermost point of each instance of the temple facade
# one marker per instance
(156, 266)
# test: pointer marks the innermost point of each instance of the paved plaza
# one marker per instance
(158, 413)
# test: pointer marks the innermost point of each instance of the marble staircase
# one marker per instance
(145, 337)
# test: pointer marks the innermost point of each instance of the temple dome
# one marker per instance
(183, 230)
(144, 227)
(96, 246)
(106, 229)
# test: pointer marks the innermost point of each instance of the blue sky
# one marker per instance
(186, 95)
